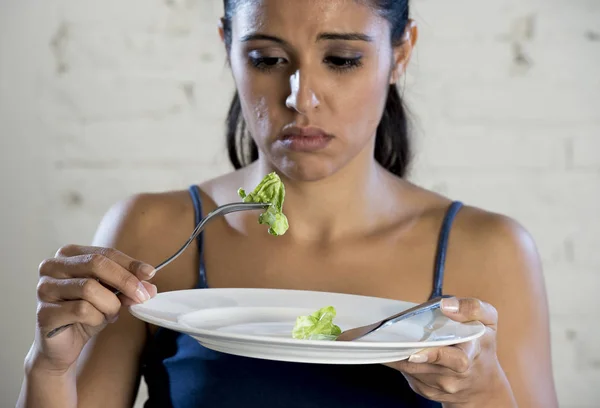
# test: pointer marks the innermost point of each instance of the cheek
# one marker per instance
(259, 123)
(258, 100)
(362, 103)
(362, 98)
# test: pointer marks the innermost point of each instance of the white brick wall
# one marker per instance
(126, 96)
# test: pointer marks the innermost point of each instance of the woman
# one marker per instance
(316, 91)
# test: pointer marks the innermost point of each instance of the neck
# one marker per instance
(354, 200)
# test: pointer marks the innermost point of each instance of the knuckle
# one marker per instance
(43, 288)
(82, 309)
(472, 307)
(439, 356)
(89, 288)
(67, 250)
(129, 282)
(95, 261)
(135, 266)
(462, 364)
(46, 266)
(449, 385)
(110, 252)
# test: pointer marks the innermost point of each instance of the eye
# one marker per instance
(266, 63)
(343, 63)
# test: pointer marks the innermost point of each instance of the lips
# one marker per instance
(305, 139)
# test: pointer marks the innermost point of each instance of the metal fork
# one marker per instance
(219, 211)
(358, 332)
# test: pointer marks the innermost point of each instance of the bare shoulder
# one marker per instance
(137, 219)
(490, 256)
(493, 252)
(494, 228)
(150, 227)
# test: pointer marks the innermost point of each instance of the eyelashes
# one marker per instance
(266, 64)
(335, 63)
(343, 63)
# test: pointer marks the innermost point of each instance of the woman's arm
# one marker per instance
(495, 272)
(106, 373)
(511, 279)
(108, 368)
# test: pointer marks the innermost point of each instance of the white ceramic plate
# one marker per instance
(258, 323)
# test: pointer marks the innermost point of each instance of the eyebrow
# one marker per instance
(264, 37)
(345, 37)
(321, 37)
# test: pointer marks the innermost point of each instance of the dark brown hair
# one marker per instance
(392, 143)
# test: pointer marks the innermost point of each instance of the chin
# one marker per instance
(308, 168)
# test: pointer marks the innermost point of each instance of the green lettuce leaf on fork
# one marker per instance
(270, 190)
(317, 326)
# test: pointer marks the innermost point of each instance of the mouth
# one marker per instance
(305, 139)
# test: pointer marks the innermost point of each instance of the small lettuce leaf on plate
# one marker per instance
(317, 326)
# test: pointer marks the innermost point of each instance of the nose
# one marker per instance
(302, 97)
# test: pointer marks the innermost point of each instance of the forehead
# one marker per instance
(289, 18)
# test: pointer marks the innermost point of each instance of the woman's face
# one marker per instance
(312, 77)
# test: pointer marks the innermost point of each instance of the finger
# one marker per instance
(97, 267)
(469, 310)
(447, 385)
(152, 291)
(140, 269)
(453, 358)
(424, 389)
(436, 386)
(419, 369)
(53, 315)
(56, 290)
(472, 349)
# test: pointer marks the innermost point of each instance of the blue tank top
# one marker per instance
(181, 373)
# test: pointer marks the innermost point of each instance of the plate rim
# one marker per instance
(178, 325)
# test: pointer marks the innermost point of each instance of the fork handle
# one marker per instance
(432, 304)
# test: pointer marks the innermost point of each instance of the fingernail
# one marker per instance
(142, 293)
(418, 358)
(450, 305)
(114, 319)
(148, 270)
(155, 290)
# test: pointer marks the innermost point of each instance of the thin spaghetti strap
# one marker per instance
(197, 202)
(442, 248)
